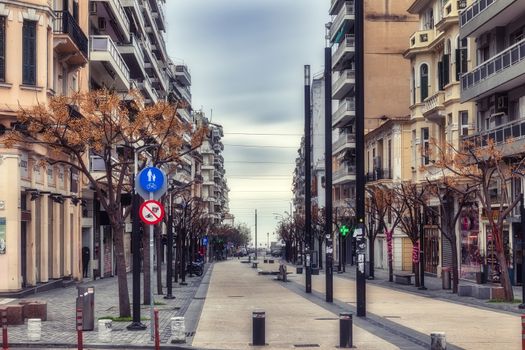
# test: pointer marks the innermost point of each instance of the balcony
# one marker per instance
(114, 11)
(502, 72)
(379, 174)
(69, 40)
(484, 15)
(450, 15)
(149, 93)
(158, 15)
(344, 84)
(434, 107)
(134, 57)
(335, 6)
(346, 173)
(105, 58)
(182, 75)
(184, 115)
(344, 52)
(421, 39)
(136, 11)
(344, 114)
(344, 142)
(509, 138)
(158, 44)
(340, 22)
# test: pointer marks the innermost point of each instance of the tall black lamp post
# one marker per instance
(522, 220)
(169, 268)
(307, 180)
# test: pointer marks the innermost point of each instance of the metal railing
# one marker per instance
(103, 43)
(348, 9)
(503, 60)
(346, 74)
(348, 43)
(183, 70)
(499, 135)
(347, 105)
(379, 174)
(474, 10)
(342, 140)
(65, 24)
(344, 171)
(121, 13)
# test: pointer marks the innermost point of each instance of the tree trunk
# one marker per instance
(390, 255)
(455, 266)
(504, 276)
(320, 253)
(145, 265)
(371, 258)
(159, 259)
(415, 261)
(183, 259)
(122, 278)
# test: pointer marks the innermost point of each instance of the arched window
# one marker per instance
(423, 79)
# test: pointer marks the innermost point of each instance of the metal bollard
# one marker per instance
(5, 345)
(345, 330)
(259, 328)
(34, 329)
(522, 332)
(438, 341)
(157, 334)
(80, 343)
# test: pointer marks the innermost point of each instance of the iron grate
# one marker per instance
(190, 334)
(306, 345)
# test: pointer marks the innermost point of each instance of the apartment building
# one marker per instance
(387, 24)
(391, 142)
(496, 83)
(298, 181)
(43, 52)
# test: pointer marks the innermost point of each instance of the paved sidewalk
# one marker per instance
(59, 329)
(465, 326)
(291, 321)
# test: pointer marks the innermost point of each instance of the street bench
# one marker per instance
(403, 278)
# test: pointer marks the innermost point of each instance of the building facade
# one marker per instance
(495, 81)
(44, 52)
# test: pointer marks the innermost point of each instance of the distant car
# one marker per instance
(276, 252)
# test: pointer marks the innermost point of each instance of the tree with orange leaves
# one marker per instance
(99, 123)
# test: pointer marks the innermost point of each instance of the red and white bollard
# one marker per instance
(5, 345)
(80, 342)
(157, 333)
(522, 332)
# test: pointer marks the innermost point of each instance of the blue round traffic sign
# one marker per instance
(151, 179)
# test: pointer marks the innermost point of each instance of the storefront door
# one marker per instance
(431, 249)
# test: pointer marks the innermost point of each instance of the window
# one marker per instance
(413, 86)
(29, 53)
(461, 58)
(423, 71)
(463, 120)
(414, 140)
(2, 49)
(389, 175)
(425, 146)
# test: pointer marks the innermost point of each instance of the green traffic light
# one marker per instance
(344, 230)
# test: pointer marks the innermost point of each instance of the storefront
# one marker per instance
(471, 257)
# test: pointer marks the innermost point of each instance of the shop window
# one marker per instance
(471, 257)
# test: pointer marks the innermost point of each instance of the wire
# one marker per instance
(259, 146)
(260, 134)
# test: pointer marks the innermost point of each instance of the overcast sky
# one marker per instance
(246, 59)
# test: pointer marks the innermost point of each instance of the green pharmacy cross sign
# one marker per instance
(344, 230)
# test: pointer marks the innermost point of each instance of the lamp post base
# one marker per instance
(136, 326)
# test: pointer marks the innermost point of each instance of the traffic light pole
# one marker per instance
(360, 158)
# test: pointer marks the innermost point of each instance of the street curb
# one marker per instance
(97, 346)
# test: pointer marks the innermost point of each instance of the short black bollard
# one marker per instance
(345, 330)
(259, 328)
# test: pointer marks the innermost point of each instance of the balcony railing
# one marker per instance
(474, 10)
(65, 24)
(342, 140)
(433, 102)
(103, 43)
(120, 13)
(344, 171)
(348, 43)
(499, 135)
(346, 74)
(379, 174)
(347, 105)
(183, 73)
(505, 59)
(347, 10)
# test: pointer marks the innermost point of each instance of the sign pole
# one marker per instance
(151, 301)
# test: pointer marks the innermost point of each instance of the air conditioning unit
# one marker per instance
(92, 8)
(101, 23)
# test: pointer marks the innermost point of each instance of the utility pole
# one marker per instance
(360, 158)
(255, 234)
(329, 270)
(307, 180)
(522, 221)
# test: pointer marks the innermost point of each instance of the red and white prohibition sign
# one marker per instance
(151, 212)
